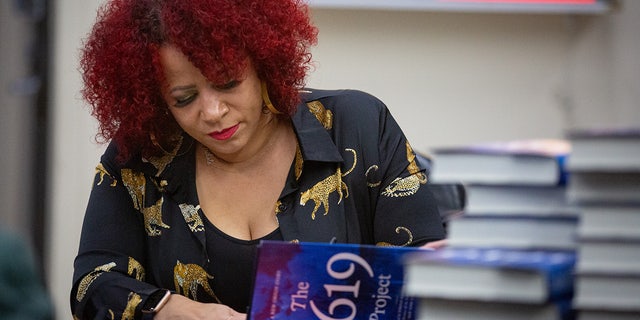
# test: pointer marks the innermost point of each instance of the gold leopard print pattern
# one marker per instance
(398, 230)
(191, 216)
(402, 187)
(162, 162)
(102, 172)
(91, 277)
(135, 268)
(135, 183)
(320, 192)
(187, 278)
(132, 303)
(324, 116)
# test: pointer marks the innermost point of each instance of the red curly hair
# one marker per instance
(122, 73)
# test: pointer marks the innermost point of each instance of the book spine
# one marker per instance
(560, 283)
(562, 167)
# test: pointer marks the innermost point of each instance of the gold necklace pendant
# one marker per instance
(208, 156)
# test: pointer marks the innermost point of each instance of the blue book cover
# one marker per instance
(330, 281)
(425, 270)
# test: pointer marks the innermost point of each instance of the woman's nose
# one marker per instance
(214, 107)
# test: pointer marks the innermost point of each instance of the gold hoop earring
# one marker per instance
(156, 144)
(266, 100)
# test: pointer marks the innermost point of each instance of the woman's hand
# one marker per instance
(180, 307)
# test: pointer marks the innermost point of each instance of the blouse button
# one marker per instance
(282, 207)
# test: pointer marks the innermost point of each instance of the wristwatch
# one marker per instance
(156, 301)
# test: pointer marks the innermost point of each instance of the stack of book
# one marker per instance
(605, 185)
(511, 254)
(516, 194)
(350, 281)
(492, 284)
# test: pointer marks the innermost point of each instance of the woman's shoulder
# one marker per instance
(168, 165)
(113, 164)
(340, 97)
(345, 102)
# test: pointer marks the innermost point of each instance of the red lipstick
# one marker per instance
(225, 133)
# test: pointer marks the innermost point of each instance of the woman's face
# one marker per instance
(226, 117)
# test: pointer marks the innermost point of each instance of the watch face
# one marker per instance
(155, 299)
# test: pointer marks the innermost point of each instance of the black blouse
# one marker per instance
(355, 179)
(234, 273)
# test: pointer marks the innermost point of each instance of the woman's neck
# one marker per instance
(279, 142)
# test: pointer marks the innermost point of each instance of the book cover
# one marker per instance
(491, 274)
(518, 162)
(330, 281)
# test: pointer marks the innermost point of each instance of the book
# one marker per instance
(615, 256)
(604, 149)
(330, 281)
(607, 315)
(446, 309)
(515, 231)
(518, 199)
(607, 291)
(605, 185)
(586, 187)
(603, 221)
(490, 274)
(519, 162)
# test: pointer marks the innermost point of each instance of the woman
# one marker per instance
(214, 146)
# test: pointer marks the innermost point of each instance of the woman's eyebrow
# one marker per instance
(180, 88)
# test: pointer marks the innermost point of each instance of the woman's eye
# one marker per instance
(185, 100)
(229, 85)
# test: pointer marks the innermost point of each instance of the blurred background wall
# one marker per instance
(448, 78)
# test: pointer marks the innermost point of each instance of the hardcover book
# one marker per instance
(518, 200)
(610, 222)
(330, 281)
(605, 184)
(447, 309)
(520, 162)
(515, 231)
(593, 188)
(606, 314)
(607, 291)
(477, 274)
(605, 149)
(614, 256)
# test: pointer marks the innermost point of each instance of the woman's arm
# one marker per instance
(406, 210)
(109, 270)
